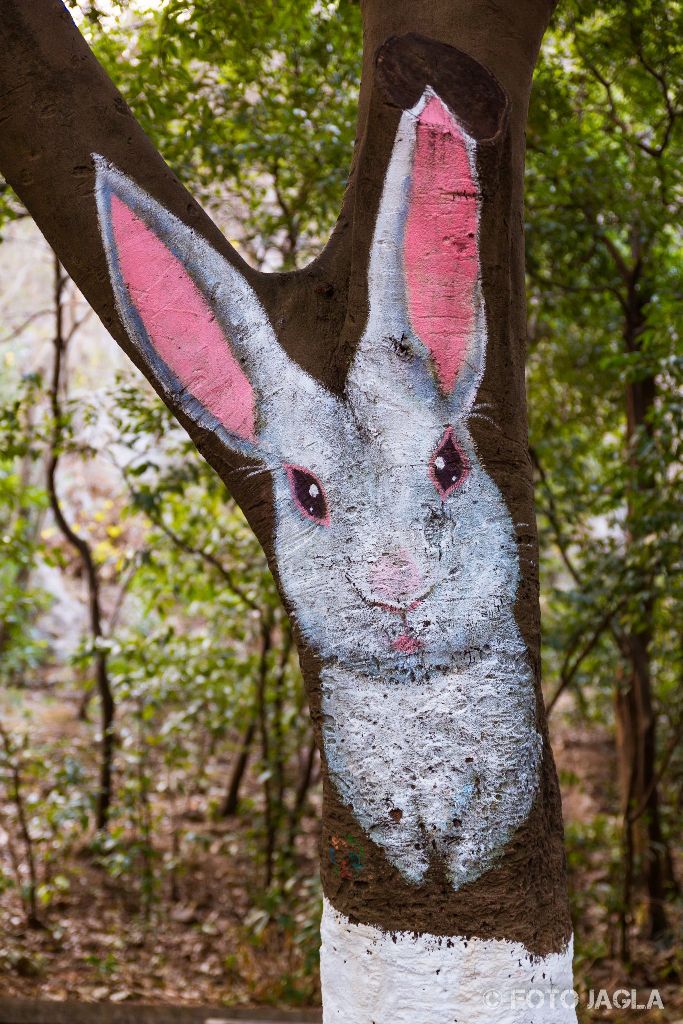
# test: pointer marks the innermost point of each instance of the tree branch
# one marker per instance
(653, 151)
(17, 331)
(554, 519)
(209, 558)
(569, 668)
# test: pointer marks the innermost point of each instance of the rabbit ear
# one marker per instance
(196, 321)
(425, 293)
(441, 247)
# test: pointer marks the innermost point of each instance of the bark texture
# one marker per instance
(57, 108)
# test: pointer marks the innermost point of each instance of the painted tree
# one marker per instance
(368, 414)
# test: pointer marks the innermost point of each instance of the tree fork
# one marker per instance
(468, 903)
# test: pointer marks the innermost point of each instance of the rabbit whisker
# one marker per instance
(251, 471)
(483, 416)
(296, 541)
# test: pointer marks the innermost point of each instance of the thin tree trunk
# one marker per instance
(81, 546)
(231, 799)
(29, 891)
(278, 725)
(645, 845)
(303, 786)
(262, 708)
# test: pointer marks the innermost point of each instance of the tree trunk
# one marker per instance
(82, 548)
(239, 766)
(396, 518)
(303, 785)
(645, 847)
(269, 812)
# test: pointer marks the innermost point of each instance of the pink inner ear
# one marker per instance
(441, 247)
(180, 324)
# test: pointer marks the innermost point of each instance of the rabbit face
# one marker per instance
(392, 573)
(393, 545)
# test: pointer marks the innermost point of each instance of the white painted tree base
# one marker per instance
(374, 977)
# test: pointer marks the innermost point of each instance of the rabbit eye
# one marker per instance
(449, 466)
(308, 493)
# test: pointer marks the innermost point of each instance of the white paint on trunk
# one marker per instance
(370, 976)
(442, 767)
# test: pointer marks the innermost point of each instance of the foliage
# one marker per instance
(189, 600)
(604, 217)
(605, 264)
(252, 105)
(22, 507)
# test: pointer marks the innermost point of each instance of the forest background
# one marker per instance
(176, 862)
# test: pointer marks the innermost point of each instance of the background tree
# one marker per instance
(604, 265)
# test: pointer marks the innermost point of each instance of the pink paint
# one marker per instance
(396, 576)
(441, 247)
(180, 324)
(407, 644)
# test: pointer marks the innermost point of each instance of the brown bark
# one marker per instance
(58, 107)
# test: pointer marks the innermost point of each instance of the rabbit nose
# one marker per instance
(396, 576)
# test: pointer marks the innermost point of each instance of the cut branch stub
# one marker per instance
(407, 65)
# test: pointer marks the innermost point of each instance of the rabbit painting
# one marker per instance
(394, 548)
